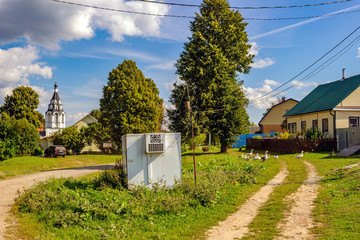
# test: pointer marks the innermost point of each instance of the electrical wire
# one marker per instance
(311, 65)
(247, 8)
(191, 17)
(262, 98)
(318, 69)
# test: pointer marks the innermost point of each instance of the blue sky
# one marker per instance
(41, 40)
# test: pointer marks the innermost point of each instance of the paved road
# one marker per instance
(10, 187)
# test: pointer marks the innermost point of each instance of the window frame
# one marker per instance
(357, 119)
(323, 125)
(313, 125)
(303, 126)
(292, 127)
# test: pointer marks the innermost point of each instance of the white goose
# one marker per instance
(265, 157)
(300, 155)
(257, 157)
(249, 155)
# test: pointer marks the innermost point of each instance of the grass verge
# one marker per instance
(29, 164)
(337, 208)
(265, 223)
(85, 209)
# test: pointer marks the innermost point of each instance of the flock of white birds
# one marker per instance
(257, 156)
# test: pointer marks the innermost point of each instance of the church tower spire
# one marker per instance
(55, 117)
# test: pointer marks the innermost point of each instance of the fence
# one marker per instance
(348, 137)
(291, 145)
(241, 139)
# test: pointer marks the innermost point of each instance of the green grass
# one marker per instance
(337, 208)
(58, 207)
(265, 223)
(182, 213)
(29, 164)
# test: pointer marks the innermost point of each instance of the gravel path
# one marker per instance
(10, 187)
(298, 220)
(236, 225)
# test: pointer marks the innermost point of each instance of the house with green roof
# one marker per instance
(328, 107)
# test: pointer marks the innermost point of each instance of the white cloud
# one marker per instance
(133, 55)
(168, 65)
(262, 63)
(17, 64)
(254, 50)
(170, 85)
(255, 95)
(259, 62)
(47, 23)
(300, 85)
(358, 53)
(72, 118)
(271, 82)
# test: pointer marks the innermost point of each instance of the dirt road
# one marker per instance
(10, 187)
(236, 225)
(298, 220)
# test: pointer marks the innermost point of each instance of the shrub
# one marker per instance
(286, 135)
(314, 134)
(38, 151)
(257, 137)
(205, 149)
(114, 178)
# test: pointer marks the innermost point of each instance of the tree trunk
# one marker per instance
(224, 148)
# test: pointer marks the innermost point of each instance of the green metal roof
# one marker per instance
(326, 97)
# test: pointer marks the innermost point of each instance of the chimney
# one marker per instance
(283, 99)
(343, 73)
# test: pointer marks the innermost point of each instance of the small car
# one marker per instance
(55, 150)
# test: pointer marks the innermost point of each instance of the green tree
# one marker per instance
(96, 132)
(27, 136)
(215, 54)
(17, 137)
(96, 113)
(72, 139)
(130, 102)
(22, 104)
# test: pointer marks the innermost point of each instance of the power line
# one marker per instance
(311, 65)
(247, 8)
(262, 98)
(191, 17)
(318, 69)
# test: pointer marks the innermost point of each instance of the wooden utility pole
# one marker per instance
(188, 108)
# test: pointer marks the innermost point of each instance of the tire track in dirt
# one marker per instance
(298, 221)
(236, 225)
(10, 187)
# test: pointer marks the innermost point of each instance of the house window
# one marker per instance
(303, 126)
(353, 121)
(315, 125)
(325, 125)
(292, 127)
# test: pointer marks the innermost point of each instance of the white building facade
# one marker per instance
(55, 117)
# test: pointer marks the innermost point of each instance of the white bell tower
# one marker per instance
(55, 117)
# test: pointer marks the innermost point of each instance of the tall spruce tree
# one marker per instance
(215, 54)
(130, 102)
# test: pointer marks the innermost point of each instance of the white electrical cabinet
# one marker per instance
(152, 157)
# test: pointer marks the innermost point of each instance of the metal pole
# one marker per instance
(192, 131)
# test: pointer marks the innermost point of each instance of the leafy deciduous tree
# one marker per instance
(71, 138)
(130, 102)
(22, 104)
(16, 137)
(216, 52)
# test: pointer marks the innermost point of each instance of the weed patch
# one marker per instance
(103, 208)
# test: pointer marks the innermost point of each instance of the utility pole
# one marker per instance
(188, 108)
